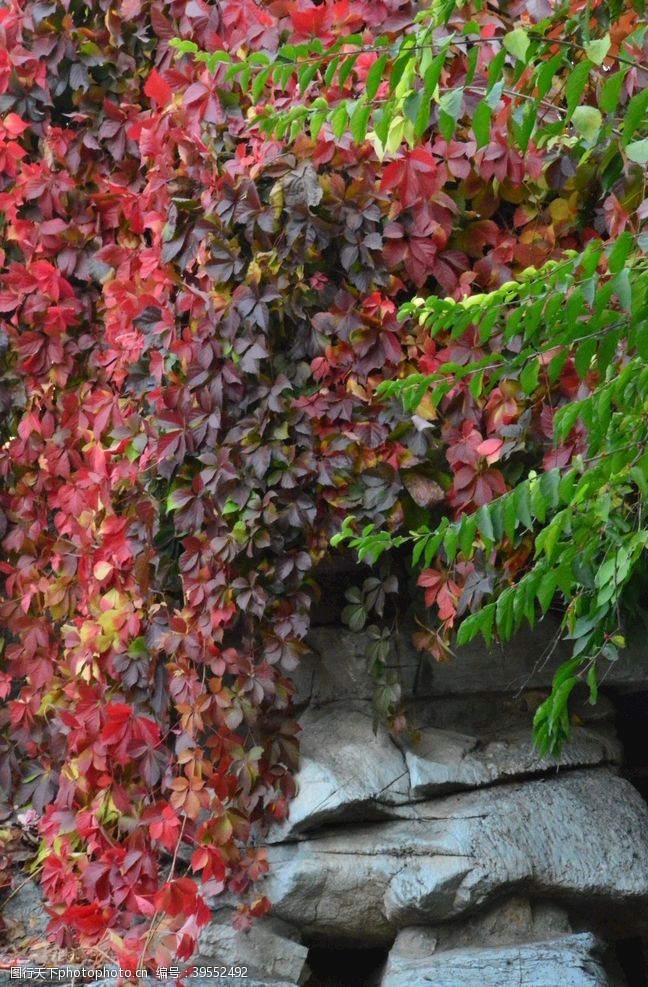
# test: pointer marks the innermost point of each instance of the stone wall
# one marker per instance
(454, 858)
(458, 858)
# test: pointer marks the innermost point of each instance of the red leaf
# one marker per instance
(309, 19)
(490, 449)
(157, 89)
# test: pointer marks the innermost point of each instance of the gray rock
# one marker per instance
(349, 771)
(568, 961)
(490, 716)
(271, 949)
(346, 769)
(580, 836)
(338, 668)
(506, 922)
(443, 761)
(23, 912)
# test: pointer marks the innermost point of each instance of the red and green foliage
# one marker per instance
(196, 315)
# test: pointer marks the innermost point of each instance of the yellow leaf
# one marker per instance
(102, 570)
(426, 409)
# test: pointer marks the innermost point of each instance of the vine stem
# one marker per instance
(156, 913)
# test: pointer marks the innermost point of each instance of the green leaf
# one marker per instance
(354, 616)
(560, 698)
(137, 648)
(593, 685)
(183, 47)
(623, 289)
(338, 120)
(411, 105)
(359, 121)
(529, 377)
(550, 484)
(538, 502)
(433, 73)
(382, 122)
(642, 341)
(398, 70)
(422, 119)
(485, 524)
(510, 517)
(582, 362)
(395, 134)
(306, 75)
(495, 74)
(597, 50)
(473, 54)
(611, 91)
(634, 115)
(576, 85)
(587, 122)
(620, 252)
(449, 108)
(331, 69)
(517, 43)
(546, 72)
(504, 614)
(477, 623)
(637, 151)
(467, 535)
(433, 543)
(259, 83)
(317, 121)
(481, 123)
(375, 77)
(450, 543)
(546, 590)
(347, 68)
(523, 505)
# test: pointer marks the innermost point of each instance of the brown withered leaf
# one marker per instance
(423, 491)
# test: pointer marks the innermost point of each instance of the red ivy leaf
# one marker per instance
(157, 89)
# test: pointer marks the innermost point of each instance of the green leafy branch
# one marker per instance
(587, 523)
(412, 68)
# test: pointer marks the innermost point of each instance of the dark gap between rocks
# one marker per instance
(341, 966)
(632, 728)
(632, 957)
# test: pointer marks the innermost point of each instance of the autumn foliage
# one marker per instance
(195, 317)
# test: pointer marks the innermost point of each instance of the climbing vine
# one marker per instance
(212, 215)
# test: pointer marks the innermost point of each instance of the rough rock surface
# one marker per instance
(443, 761)
(349, 771)
(23, 912)
(271, 949)
(338, 667)
(507, 922)
(346, 769)
(568, 961)
(581, 835)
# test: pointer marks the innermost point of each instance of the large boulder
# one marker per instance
(351, 768)
(347, 769)
(441, 761)
(269, 950)
(508, 921)
(568, 961)
(581, 836)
